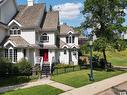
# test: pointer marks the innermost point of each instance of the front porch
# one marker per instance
(44, 56)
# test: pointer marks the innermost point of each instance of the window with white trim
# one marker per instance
(14, 30)
(70, 38)
(11, 54)
(44, 38)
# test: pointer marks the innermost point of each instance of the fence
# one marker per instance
(66, 69)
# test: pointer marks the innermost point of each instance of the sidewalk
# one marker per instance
(39, 82)
(91, 89)
(97, 87)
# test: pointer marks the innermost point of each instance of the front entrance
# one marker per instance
(44, 54)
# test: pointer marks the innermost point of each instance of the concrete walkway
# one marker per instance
(39, 82)
(97, 87)
(91, 89)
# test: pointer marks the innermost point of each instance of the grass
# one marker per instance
(118, 58)
(80, 78)
(115, 57)
(119, 61)
(16, 80)
(37, 90)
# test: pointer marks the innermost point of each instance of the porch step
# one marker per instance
(46, 69)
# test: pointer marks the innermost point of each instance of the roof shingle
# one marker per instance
(18, 41)
(51, 21)
(64, 29)
(30, 16)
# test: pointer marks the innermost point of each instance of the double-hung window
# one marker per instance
(70, 38)
(44, 38)
(11, 54)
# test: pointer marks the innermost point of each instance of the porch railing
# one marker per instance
(38, 60)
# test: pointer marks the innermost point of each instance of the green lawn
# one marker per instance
(118, 61)
(80, 78)
(37, 90)
(115, 57)
(16, 80)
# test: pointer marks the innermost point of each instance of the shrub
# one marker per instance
(5, 66)
(36, 70)
(24, 67)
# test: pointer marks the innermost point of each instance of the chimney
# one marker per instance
(30, 2)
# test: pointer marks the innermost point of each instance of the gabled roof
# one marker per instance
(64, 29)
(63, 44)
(18, 41)
(30, 16)
(51, 21)
(3, 25)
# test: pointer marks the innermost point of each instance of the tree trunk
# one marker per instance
(104, 54)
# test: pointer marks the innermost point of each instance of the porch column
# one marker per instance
(35, 56)
(70, 57)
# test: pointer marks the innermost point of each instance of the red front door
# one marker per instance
(44, 54)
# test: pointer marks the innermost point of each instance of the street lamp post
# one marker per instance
(91, 65)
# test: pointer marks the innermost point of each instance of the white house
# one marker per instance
(29, 31)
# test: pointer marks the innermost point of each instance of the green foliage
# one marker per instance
(36, 70)
(78, 29)
(100, 44)
(14, 80)
(64, 65)
(5, 66)
(105, 17)
(120, 45)
(24, 67)
(84, 49)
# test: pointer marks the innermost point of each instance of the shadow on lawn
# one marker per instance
(11, 83)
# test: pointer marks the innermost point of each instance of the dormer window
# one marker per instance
(15, 30)
(70, 38)
(44, 38)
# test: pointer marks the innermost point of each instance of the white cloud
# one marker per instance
(68, 10)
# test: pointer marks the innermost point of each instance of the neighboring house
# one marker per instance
(68, 45)
(29, 31)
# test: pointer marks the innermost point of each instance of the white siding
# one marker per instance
(64, 58)
(8, 10)
(29, 36)
(19, 54)
(31, 55)
(51, 39)
(75, 57)
(51, 54)
(76, 40)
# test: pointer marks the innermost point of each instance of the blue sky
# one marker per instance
(70, 10)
